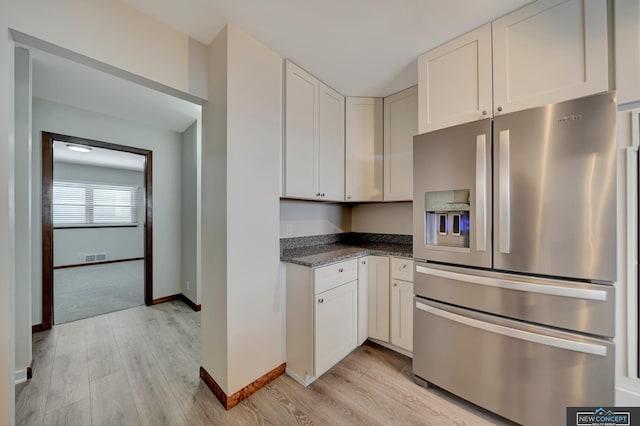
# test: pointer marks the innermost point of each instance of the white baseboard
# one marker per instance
(20, 376)
(393, 347)
(297, 378)
(627, 398)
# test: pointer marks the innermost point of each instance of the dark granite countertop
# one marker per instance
(323, 254)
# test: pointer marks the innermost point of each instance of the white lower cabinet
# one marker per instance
(378, 299)
(402, 314)
(363, 299)
(336, 325)
(321, 317)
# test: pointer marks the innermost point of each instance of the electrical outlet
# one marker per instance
(188, 285)
(289, 229)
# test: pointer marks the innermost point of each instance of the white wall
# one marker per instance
(245, 234)
(116, 34)
(7, 258)
(167, 221)
(70, 245)
(23, 72)
(383, 218)
(189, 280)
(303, 218)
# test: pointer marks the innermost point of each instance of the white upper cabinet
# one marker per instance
(549, 51)
(331, 145)
(627, 39)
(363, 177)
(400, 126)
(314, 138)
(454, 81)
(301, 129)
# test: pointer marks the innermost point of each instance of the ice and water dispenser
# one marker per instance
(447, 218)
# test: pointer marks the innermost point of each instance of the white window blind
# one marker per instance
(81, 204)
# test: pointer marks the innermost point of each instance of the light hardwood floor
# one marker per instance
(140, 367)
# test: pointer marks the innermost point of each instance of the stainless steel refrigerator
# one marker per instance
(515, 249)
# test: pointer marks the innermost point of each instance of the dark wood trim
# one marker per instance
(166, 299)
(47, 230)
(105, 262)
(228, 402)
(95, 226)
(47, 217)
(189, 303)
(36, 328)
(30, 370)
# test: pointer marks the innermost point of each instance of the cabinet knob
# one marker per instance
(395, 284)
(322, 195)
(485, 112)
(500, 108)
(317, 194)
(404, 266)
(340, 270)
(364, 262)
(348, 197)
(320, 300)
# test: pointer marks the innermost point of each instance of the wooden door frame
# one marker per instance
(47, 217)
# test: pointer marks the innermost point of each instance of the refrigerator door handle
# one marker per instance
(572, 345)
(481, 192)
(505, 194)
(551, 290)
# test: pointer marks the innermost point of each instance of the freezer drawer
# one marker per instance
(528, 374)
(570, 305)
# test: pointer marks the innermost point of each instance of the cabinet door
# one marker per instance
(331, 145)
(402, 314)
(364, 149)
(363, 299)
(400, 126)
(301, 138)
(454, 81)
(627, 39)
(336, 325)
(549, 51)
(379, 298)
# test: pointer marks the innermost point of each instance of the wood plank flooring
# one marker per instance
(140, 367)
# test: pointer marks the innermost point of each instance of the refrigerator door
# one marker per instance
(452, 195)
(526, 373)
(555, 189)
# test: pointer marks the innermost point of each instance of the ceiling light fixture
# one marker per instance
(78, 148)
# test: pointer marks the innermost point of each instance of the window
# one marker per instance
(80, 204)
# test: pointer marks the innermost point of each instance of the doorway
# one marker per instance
(49, 140)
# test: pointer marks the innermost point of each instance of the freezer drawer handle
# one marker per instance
(578, 293)
(557, 342)
(505, 194)
(481, 192)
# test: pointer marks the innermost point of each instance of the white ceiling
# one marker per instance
(98, 157)
(67, 82)
(359, 47)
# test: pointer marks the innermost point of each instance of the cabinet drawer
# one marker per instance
(402, 269)
(331, 276)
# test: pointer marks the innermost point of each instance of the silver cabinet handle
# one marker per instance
(505, 194)
(322, 194)
(317, 194)
(340, 270)
(557, 342)
(364, 262)
(395, 284)
(500, 108)
(481, 192)
(320, 300)
(348, 197)
(404, 266)
(485, 112)
(577, 293)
